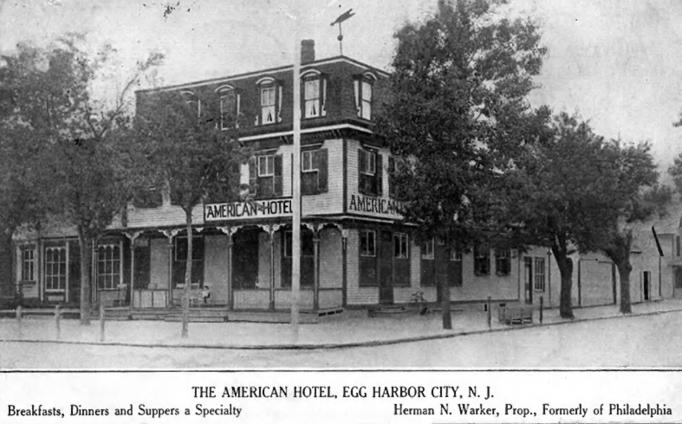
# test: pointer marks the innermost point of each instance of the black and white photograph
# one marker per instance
(342, 185)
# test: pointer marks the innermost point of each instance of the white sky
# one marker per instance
(617, 62)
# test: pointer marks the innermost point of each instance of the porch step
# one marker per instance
(389, 310)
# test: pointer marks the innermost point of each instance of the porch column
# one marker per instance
(316, 269)
(344, 267)
(229, 232)
(132, 237)
(271, 229)
(170, 235)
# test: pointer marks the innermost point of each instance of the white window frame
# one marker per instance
(455, 254)
(224, 95)
(307, 161)
(539, 274)
(502, 254)
(313, 100)
(28, 263)
(371, 163)
(266, 107)
(366, 234)
(403, 246)
(366, 96)
(50, 275)
(110, 278)
(428, 250)
(269, 161)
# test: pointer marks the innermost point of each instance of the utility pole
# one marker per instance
(296, 195)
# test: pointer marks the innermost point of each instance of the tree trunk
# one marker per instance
(624, 269)
(7, 287)
(188, 275)
(566, 270)
(445, 303)
(85, 243)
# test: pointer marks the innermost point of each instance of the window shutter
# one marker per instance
(278, 101)
(379, 174)
(278, 175)
(323, 95)
(356, 86)
(320, 158)
(391, 170)
(362, 164)
(259, 107)
(253, 175)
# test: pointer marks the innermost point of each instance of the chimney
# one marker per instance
(307, 51)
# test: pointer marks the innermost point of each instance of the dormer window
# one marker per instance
(229, 107)
(192, 102)
(270, 95)
(364, 94)
(314, 93)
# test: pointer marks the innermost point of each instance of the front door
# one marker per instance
(528, 273)
(646, 282)
(245, 259)
(385, 267)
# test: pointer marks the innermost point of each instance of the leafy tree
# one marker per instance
(456, 105)
(187, 153)
(635, 197)
(86, 154)
(565, 201)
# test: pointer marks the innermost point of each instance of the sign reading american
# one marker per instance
(272, 208)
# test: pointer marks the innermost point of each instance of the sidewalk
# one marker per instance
(351, 328)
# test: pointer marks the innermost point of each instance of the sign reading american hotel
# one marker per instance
(273, 208)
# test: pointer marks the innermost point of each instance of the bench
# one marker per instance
(515, 314)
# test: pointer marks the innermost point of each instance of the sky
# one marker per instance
(615, 62)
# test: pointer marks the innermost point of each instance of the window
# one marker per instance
(307, 161)
(229, 108)
(539, 274)
(400, 246)
(367, 243)
(427, 250)
(180, 261)
(455, 254)
(311, 98)
(366, 102)
(267, 104)
(108, 266)
(368, 162)
(370, 172)
(677, 245)
(313, 171)
(192, 102)
(481, 260)
(502, 261)
(28, 263)
(266, 166)
(55, 268)
(364, 87)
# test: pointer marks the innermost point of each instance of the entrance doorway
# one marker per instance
(646, 284)
(245, 259)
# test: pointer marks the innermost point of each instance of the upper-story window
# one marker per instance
(265, 175)
(314, 94)
(229, 107)
(481, 259)
(314, 171)
(270, 101)
(370, 172)
(364, 94)
(192, 101)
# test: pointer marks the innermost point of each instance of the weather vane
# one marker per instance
(345, 15)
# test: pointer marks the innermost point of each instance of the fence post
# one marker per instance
(18, 314)
(57, 321)
(490, 316)
(101, 321)
(541, 307)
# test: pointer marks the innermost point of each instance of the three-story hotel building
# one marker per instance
(356, 248)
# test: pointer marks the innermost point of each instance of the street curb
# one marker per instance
(329, 346)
